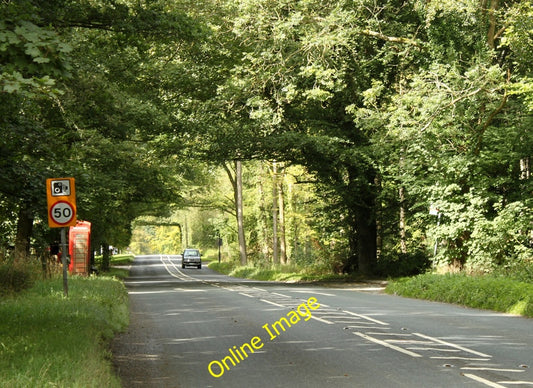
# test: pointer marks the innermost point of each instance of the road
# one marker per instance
(197, 328)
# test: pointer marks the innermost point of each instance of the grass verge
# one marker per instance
(287, 273)
(484, 292)
(47, 340)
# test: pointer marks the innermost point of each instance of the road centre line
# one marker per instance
(181, 276)
(453, 345)
(386, 344)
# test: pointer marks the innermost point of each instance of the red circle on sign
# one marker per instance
(62, 212)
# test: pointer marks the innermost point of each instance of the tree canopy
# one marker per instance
(374, 111)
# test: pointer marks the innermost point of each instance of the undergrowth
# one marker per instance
(489, 292)
(48, 340)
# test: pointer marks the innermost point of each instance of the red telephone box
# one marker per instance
(80, 248)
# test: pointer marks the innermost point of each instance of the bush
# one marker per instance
(17, 277)
(408, 264)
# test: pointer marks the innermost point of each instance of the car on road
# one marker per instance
(191, 256)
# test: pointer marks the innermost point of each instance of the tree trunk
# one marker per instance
(491, 35)
(403, 243)
(365, 225)
(106, 258)
(236, 183)
(525, 168)
(240, 213)
(24, 231)
(379, 220)
(275, 250)
(282, 236)
(263, 217)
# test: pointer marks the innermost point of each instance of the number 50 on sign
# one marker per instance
(61, 198)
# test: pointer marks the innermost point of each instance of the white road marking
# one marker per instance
(453, 345)
(366, 317)
(483, 381)
(313, 292)
(322, 320)
(276, 293)
(272, 303)
(493, 369)
(386, 344)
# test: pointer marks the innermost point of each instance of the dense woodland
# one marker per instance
(312, 132)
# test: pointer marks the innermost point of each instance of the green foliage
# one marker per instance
(16, 278)
(42, 332)
(485, 292)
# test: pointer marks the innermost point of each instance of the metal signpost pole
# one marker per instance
(64, 260)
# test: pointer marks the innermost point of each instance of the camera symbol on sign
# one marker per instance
(60, 188)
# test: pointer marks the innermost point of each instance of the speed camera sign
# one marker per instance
(61, 197)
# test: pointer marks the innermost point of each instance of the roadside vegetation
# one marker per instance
(47, 340)
(508, 290)
(286, 273)
(509, 293)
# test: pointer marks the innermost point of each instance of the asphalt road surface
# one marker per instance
(197, 328)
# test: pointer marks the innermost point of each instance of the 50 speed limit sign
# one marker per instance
(62, 213)
(61, 198)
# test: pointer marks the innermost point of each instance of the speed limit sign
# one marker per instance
(61, 197)
(62, 213)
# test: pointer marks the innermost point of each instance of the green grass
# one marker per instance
(287, 273)
(47, 340)
(495, 293)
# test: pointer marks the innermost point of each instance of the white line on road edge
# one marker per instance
(386, 344)
(366, 317)
(483, 381)
(452, 345)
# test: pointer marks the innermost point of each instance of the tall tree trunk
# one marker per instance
(275, 250)
(403, 243)
(365, 225)
(24, 231)
(263, 217)
(379, 220)
(240, 213)
(236, 182)
(282, 236)
(491, 35)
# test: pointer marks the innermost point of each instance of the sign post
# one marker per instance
(61, 199)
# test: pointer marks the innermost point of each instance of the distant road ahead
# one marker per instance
(197, 328)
